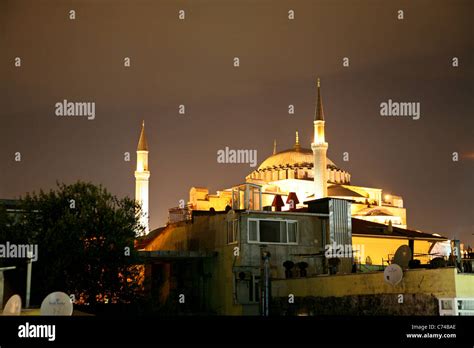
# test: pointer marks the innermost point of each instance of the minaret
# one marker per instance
(142, 174)
(319, 147)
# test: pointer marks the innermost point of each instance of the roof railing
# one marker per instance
(178, 214)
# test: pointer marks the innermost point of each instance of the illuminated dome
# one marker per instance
(292, 158)
(295, 163)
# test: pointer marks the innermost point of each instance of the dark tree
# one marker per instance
(85, 239)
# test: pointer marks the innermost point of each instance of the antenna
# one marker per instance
(403, 256)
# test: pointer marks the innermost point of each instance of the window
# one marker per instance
(253, 236)
(247, 286)
(232, 229)
(446, 304)
(272, 231)
(467, 304)
(291, 232)
(254, 289)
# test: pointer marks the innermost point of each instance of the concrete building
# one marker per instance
(215, 258)
(225, 251)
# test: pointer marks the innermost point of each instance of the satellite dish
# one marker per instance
(403, 256)
(393, 274)
(56, 303)
(13, 306)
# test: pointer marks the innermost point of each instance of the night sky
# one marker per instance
(190, 62)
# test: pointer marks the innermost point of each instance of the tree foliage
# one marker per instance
(85, 239)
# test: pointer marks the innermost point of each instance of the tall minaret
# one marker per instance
(319, 147)
(142, 175)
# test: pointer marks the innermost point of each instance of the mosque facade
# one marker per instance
(301, 174)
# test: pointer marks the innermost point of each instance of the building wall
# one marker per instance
(358, 305)
(372, 194)
(379, 248)
(440, 282)
(310, 241)
(206, 233)
(465, 285)
(399, 214)
(200, 199)
(209, 233)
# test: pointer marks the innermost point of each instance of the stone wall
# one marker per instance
(383, 304)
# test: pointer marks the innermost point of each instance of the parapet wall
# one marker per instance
(437, 282)
(384, 304)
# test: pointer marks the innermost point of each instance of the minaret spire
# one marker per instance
(319, 114)
(142, 143)
(142, 175)
(319, 147)
(274, 147)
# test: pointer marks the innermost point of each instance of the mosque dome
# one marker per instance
(292, 158)
(295, 163)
